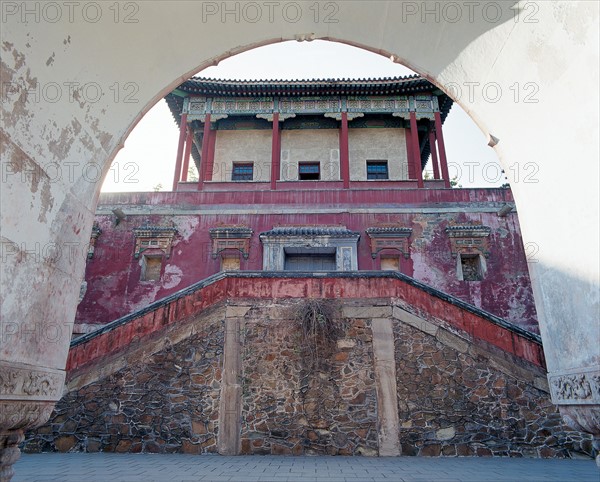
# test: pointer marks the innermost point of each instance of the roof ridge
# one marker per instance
(309, 80)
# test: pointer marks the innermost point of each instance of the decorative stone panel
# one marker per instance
(24, 382)
(390, 237)
(579, 387)
(469, 239)
(156, 237)
(311, 239)
(234, 237)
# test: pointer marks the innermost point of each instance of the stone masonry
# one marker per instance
(455, 396)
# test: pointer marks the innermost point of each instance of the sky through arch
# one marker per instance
(147, 161)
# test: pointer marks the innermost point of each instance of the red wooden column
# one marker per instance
(275, 152)
(442, 148)
(204, 155)
(186, 156)
(210, 165)
(434, 156)
(416, 149)
(409, 154)
(182, 132)
(344, 151)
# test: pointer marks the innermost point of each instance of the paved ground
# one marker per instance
(188, 468)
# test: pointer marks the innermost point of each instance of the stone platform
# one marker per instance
(101, 467)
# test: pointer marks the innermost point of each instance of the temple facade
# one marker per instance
(311, 176)
(309, 292)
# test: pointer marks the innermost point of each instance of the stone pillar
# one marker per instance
(230, 405)
(577, 394)
(27, 398)
(384, 361)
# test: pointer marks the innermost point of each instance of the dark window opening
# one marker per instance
(151, 267)
(242, 172)
(310, 262)
(377, 170)
(309, 171)
(471, 267)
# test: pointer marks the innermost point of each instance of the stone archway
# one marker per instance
(77, 78)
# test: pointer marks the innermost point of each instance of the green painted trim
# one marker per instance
(180, 93)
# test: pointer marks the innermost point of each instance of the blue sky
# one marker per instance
(148, 157)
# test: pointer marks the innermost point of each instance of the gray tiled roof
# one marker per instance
(336, 232)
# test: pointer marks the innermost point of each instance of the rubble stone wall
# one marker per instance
(455, 396)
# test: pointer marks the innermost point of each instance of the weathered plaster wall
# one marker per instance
(546, 49)
(242, 146)
(454, 397)
(114, 288)
(310, 145)
(375, 144)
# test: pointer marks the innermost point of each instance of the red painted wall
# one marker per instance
(424, 304)
(114, 288)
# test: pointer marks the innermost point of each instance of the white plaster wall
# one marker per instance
(243, 146)
(373, 144)
(547, 52)
(310, 145)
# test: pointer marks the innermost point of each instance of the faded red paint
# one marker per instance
(113, 275)
(238, 288)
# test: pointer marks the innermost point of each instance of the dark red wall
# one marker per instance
(113, 275)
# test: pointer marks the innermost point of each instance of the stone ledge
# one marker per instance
(237, 311)
(367, 311)
(453, 341)
(414, 321)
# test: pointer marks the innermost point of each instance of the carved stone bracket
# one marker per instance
(581, 387)
(390, 237)
(96, 232)
(234, 237)
(158, 237)
(18, 382)
(469, 239)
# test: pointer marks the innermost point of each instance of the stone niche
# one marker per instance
(282, 243)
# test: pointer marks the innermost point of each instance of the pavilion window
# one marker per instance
(242, 172)
(309, 171)
(377, 170)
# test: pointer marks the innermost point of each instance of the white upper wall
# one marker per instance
(242, 146)
(310, 145)
(377, 144)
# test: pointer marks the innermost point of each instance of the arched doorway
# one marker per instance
(69, 101)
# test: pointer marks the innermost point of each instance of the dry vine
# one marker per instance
(319, 330)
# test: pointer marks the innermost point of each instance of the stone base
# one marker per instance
(9, 453)
(585, 418)
(15, 417)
